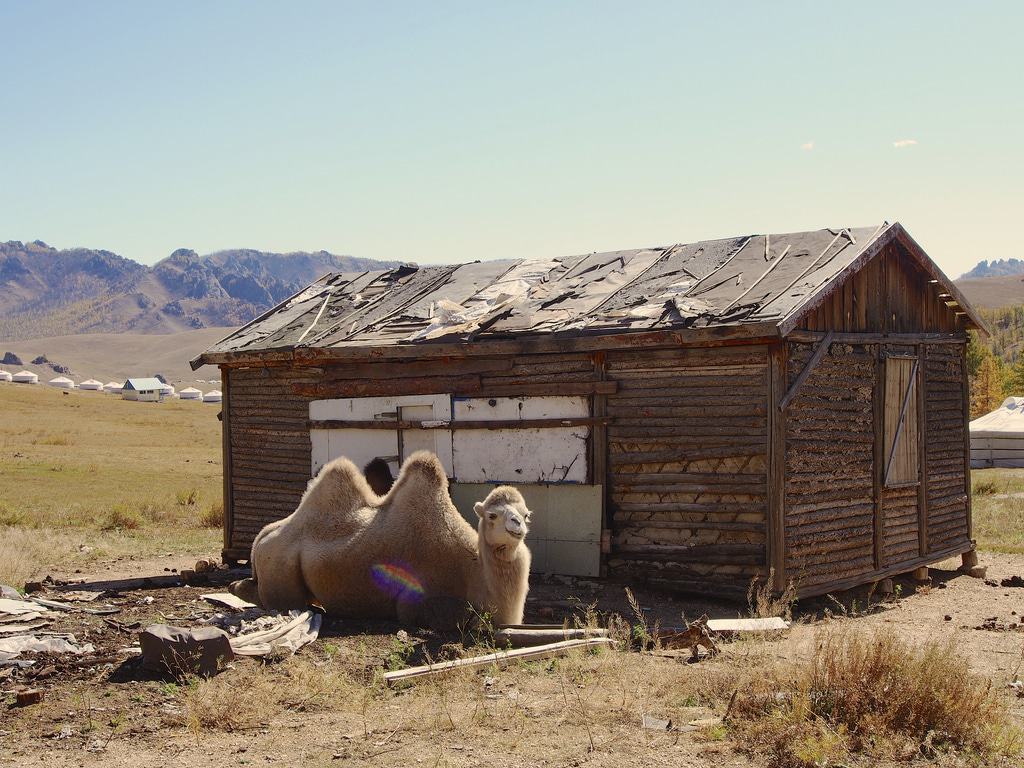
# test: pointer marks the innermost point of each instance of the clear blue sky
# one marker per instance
(457, 131)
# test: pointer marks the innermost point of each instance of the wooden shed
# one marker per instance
(691, 416)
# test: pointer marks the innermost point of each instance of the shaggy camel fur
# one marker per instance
(407, 555)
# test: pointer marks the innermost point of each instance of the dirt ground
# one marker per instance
(103, 709)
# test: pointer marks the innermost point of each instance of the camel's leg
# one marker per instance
(247, 589)
(284, 587)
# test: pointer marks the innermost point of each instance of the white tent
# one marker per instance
(997, 438)
(25, 377)
(91, 384)
(112, 388)
(168, 391)
(190, 393)
(213, 396)
(5, 376)
(62, 382)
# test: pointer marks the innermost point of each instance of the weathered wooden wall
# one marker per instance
(687, 466)
(891, 294)
(842, 522)
(829, 507)
(947, 447)
(268, 411)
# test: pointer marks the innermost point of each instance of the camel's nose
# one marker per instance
(514, 525)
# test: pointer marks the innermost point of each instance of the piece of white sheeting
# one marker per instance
(288, 633)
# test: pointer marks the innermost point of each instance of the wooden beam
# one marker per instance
(878, 453)
(458, 385)
(922, 455)
(709, 336)
(966, 395)
(493, 424)
(959, 337)
(776, 519)
(225, 430)
(880, 573)
(819, 353)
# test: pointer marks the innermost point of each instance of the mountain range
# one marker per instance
(46, 291)
(995, 268)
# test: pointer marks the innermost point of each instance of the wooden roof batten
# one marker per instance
(681, 295)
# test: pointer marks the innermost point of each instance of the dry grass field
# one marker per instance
(89, 482)
(86, 477)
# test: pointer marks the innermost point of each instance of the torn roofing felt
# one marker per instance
(750, 279)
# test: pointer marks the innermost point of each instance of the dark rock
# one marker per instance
(11, 359)
(181, 651)
(41, 360)
(1013, 581)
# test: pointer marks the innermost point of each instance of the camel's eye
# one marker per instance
(492, 515)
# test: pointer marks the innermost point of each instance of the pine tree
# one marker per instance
(1015, 378)
(987, 386)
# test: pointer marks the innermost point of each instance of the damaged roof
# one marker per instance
(763, 280)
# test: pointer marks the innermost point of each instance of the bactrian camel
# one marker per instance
(407, 555)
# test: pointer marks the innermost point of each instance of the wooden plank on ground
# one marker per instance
(748, 625)
(499, 657)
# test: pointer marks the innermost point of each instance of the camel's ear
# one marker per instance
(479, 509)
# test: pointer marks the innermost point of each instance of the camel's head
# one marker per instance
(504, 519)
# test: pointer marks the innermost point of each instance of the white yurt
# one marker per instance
(91, 384)
(213, 396)
(190, 393)
(168, 391)
(997, 438)
(112, 388)
(25, 377)
(62, 382)
(5, 376)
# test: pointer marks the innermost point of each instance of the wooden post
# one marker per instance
(599, 465)
(969, 559)
(225, 431)
(966, 389)
(878, 406)
(776, 523)
(922, 451)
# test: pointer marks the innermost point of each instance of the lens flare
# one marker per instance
(397, 581)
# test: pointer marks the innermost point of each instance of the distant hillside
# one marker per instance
(116, 356)
(995, 268)
(993, 292)
(50, 292)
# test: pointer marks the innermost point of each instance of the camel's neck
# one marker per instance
(506, 578)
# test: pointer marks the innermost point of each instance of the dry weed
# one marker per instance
(212, 516)
(251, 696)
(122, 518)
(763, 602)
(872, 694)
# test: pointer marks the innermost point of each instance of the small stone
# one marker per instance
(33, 586)
(947, 617)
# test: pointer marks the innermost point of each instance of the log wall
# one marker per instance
(829, 501)
(687, 467)
(947, 449)
(842, 523)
